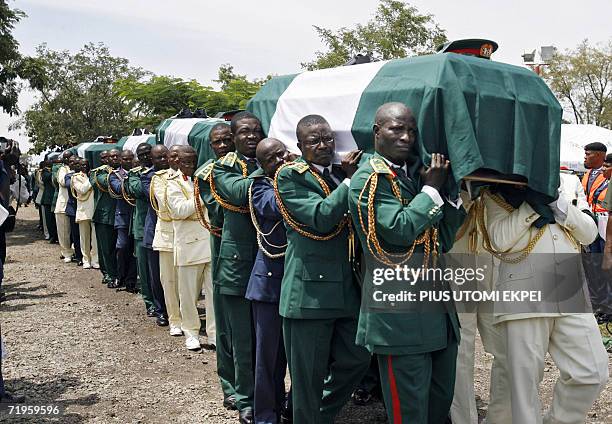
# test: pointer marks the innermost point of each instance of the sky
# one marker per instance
(192, 38)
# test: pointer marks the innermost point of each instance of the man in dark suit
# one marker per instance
(263, 289)
(126, 263)
(71, 207)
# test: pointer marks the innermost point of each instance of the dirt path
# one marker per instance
(72, 342)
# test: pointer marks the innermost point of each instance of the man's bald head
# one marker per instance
(395, 133)
(391, 110)
(271, 153)
(173, 156)
(66, 155)
(114, 158)
(127, 159)
(159, 156)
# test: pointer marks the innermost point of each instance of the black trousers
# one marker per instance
(126, 261)
(159, 301)
(75, 238)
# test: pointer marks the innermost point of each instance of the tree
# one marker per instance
(397, 30)
(12, 65)
(160, 97)
(77, 101)
(582, 80)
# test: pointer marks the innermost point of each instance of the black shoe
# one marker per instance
(2, 296)
(246, 416)
(80, 263)
(286, 416)
(230, 403)
(361, 397)
(73, 259)
(162, 321)
(151, 312)
(53, 241)
(9, 398)
(209, 346)
(113, 284)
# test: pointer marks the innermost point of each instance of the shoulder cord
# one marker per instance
(261, 235)
(130, 200)
(153, 199)
(295, 224)
(224, 203)
(110, 187)
(186, 194)
(200, 211)
(428, 238)
(102, 189)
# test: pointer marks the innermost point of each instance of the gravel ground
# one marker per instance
(74, 343)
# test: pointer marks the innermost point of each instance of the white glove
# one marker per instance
(559, 208)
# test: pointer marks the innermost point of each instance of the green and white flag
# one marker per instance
(133, 141)
(479, 113)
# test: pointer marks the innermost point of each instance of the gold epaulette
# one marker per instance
(136, 169)
(173, 176)
(380, 166)
(204, 171)
(145, 170)
(300, 167)
(229, 159)
(161, 172)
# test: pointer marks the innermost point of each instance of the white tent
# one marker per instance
(573, 139)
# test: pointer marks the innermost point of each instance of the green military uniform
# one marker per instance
(134, 190)
(54, 169)
(416, 347)
(104, 221)
(319, 299)
(47, 201)
(231, 274)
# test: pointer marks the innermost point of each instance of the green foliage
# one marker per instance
(582, 80)
(77, 102)
(12, 65)
(397, 30)
(160, 97)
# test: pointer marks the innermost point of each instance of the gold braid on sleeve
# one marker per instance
(130, 200)
(111, 192)
(292, 222)
(200, 210)
(261, 235)
(429, 238)
(224, 203)
(102, 189)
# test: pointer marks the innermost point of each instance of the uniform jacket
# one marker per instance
(85, 199)
(416, 328)
(238, 244)
(191, 240)
(46, 177)
(104, 212)
(318, 279)
(123, 210)
(71, 204)
(54, 170)
(40, 186)
(151, 217)
(554, 256)
(134, 189)
(164, 230)
(265, 281)
(62, 192)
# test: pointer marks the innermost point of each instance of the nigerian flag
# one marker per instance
(188, 131)
(91, 150)
(479, 113)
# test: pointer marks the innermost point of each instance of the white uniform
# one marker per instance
(572, 339)
(61, 219)
(463, 409)
(163, 242)
(84, 214)
(41, 189)
(191, 256)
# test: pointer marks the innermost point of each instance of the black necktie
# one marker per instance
(404, 178)
(251, 164)
(328, 179)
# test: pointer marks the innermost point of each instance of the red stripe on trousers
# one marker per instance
(395, 401)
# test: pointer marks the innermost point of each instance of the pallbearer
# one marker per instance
(61, 219)
(47, 199)
(71, 209)
(124, 208)
(191, 245)
(85, 210)
(319, 299)
(398, 210)
(104, 219)
(264, 285)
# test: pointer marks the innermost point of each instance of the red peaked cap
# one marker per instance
(478, 47)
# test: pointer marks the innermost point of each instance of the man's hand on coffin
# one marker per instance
(350, 162)
(436, 174)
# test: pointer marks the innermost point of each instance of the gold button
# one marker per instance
(555, 237)
(320, 276)
(235, 256)
(269, 274)
(510, 275)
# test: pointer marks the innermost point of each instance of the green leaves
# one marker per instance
(396, 30)
(582, 80)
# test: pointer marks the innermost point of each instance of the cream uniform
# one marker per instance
(61, 219)
(163, 242)
(572, 339)
(468, 242)
(83, 192)
(191, 256)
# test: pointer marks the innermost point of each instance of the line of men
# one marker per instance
(271, 235)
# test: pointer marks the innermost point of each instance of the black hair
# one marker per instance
(307, 121)
(596, 147)
(239, 117)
